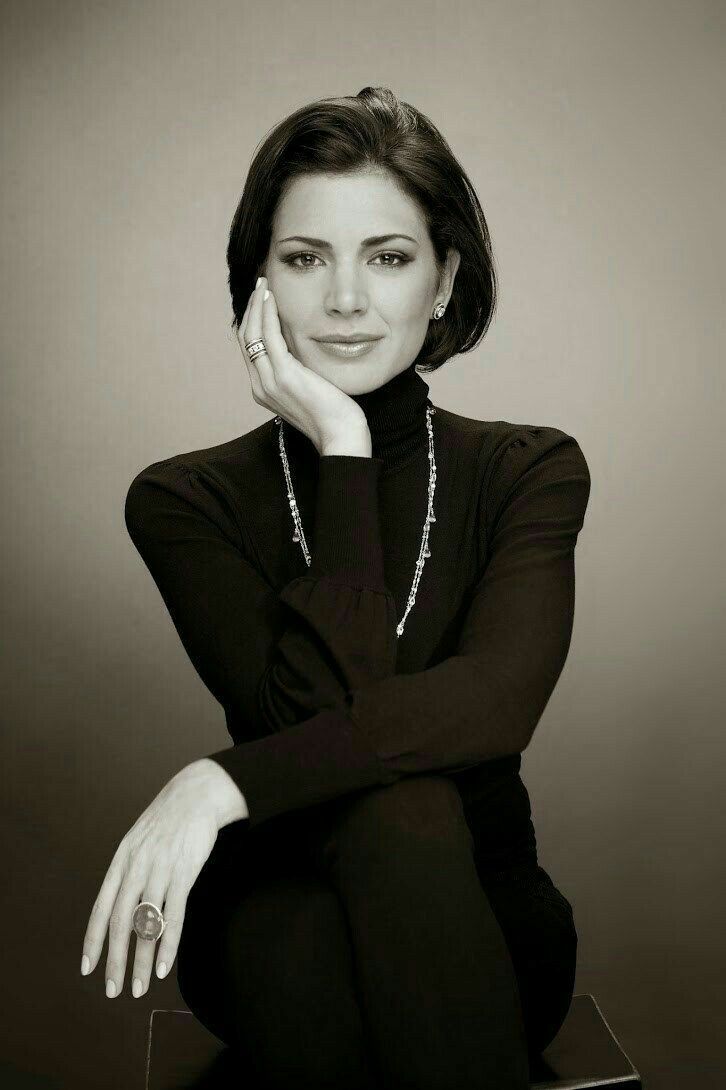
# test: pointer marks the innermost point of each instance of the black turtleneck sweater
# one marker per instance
(321, 696)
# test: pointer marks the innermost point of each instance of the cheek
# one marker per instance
(405, 309)
(292, 314)
(405, 299)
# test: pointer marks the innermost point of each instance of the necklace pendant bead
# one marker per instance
(298, 536)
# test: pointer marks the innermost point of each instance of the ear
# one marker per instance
(448, 275)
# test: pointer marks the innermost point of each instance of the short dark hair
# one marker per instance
(374, 130)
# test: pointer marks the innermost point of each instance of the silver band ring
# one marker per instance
(148, 921)
(255, 348)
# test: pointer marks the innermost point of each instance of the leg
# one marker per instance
(538, 924)
(265, 963)
(438, 990)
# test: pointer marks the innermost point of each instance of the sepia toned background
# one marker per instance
(593, 134)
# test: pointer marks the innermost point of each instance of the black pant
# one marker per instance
(354, 944)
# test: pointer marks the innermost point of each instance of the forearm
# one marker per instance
(222, 793)
(355, 443)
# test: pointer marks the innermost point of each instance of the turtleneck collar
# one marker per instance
(396, 416)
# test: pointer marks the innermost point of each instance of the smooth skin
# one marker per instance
(283, 385)
(305, 291)
(345, 286)
(159, 860)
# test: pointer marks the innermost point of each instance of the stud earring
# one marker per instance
(439, 311)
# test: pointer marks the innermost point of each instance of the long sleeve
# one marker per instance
(270, 658)
(486, 699)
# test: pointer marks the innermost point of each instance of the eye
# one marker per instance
(401, 259)
(293, 258)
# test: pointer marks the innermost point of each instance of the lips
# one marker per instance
(347, 338)
(344, 350)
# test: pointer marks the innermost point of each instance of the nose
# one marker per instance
(346, 293)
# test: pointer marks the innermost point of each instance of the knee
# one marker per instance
(425, 810)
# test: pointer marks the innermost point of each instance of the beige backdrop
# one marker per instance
(593, 133)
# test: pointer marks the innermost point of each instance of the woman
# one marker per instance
(380, 595)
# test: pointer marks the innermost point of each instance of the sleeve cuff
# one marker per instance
(314, 761)
(347, 533)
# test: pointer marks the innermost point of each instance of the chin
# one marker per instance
(349, 373)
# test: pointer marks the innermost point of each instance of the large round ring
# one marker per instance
(148, 921)
(255, 348)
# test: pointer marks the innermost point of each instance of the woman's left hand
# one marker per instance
(158, 860)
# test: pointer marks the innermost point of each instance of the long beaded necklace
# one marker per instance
(424, 551)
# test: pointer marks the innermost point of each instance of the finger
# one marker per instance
(273, 338)
(154, 891)
(244, 338)
(240, 331)
(253, 332)
(101, 913)
(174, 913)
(120, 931)
(253, 324)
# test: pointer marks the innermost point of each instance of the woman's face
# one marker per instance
(328, 278)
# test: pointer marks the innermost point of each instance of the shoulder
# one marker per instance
(219, 481)
(232, 458)
(511, 454)
(507, 446)
(543, 468)
(516, 448)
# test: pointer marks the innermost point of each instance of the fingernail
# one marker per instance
(265, 295)
(137, 988)
(161, 969)
(110, 989)
(259, 281)
(85, 965)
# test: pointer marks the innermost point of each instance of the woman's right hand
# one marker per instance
(283, 385)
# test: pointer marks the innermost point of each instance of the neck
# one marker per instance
(396, 417)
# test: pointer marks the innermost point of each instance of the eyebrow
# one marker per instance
(321, 244)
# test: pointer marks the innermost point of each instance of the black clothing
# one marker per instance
(355, 945)
(322, 699)
(320, 695)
